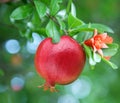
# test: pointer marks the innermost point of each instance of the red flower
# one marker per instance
(99, 41)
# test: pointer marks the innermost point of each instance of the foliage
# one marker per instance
(52, 18)
(58, 25)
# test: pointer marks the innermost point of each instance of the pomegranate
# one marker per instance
(59, 63)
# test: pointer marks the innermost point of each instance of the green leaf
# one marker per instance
(111, 50)
(26, 33)
(87, 49)
(97, 57)
(73, 9)
(54, 6)
(36, 21)
(22, 12)
(52, 32)
(74, 22)
(82, 36)
(91, 61)
(91, 27)
(46, 2)
(90, 55)
(61, 23)
(102, 28)
(68, 6)
(79, 37)
(41, 8)
(110, 63)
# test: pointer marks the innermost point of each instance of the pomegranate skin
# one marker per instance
(59, 63)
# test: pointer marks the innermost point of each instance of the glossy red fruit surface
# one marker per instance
(59, 63)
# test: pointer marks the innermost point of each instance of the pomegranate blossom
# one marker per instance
(59, 63)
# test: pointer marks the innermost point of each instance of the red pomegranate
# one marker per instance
(59, 63)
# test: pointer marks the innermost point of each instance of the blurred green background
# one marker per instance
(19, 80)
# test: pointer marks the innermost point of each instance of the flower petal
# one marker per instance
(88, 42)
(94, 48)
(108, 40)
(100, 52)
(99, 41)
(104, 45)
(101, 37)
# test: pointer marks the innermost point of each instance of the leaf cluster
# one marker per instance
(47, 18)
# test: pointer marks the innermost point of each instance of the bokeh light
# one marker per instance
(17, 83)
(80, 88)
(3, 88)
(30, 74)
(16, 60)
(32, 46)
(67, 98)
(12, 46)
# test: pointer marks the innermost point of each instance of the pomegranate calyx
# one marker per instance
(46, 87)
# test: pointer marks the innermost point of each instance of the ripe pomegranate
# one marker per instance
(59, 63)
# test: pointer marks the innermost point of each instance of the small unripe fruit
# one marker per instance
(59, 63)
